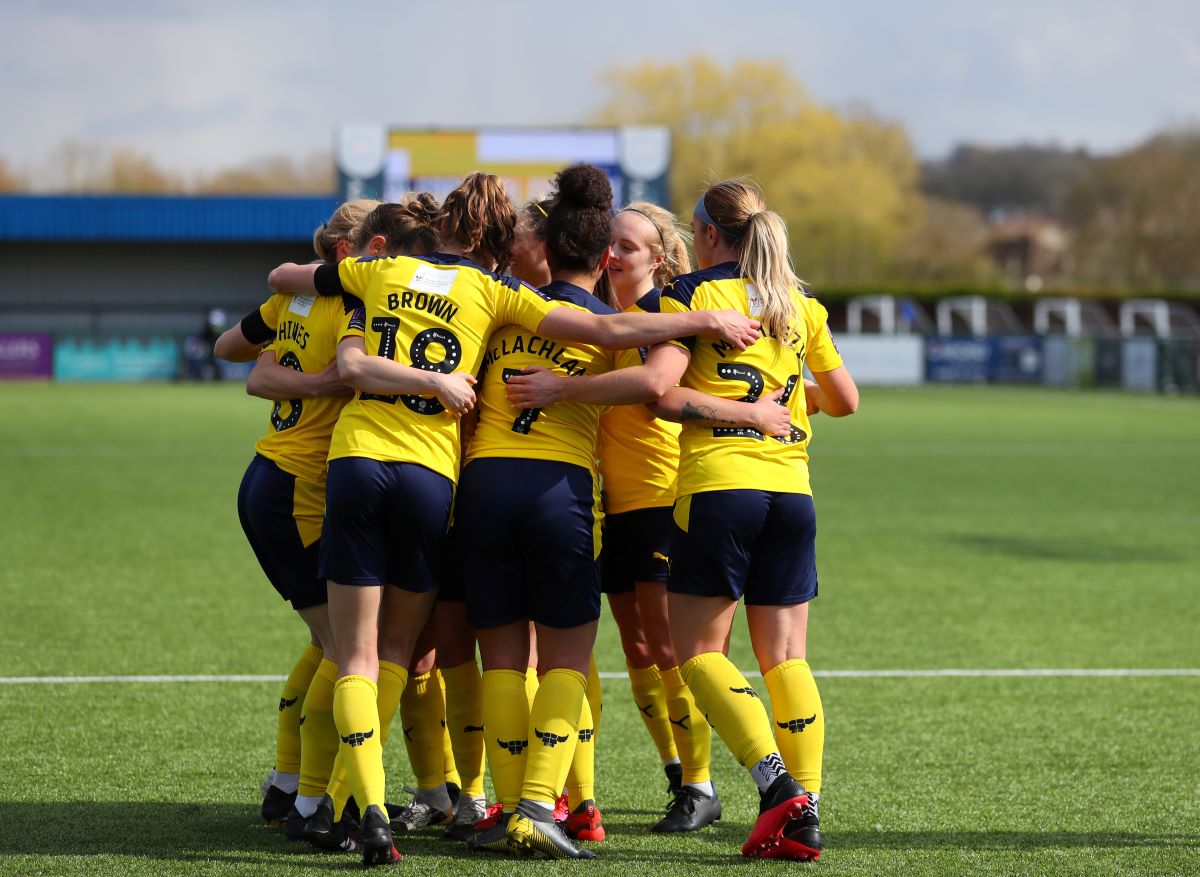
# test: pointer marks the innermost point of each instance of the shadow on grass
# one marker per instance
(732, 834)
(1001, 840)
(1042, 548)
(230, 833)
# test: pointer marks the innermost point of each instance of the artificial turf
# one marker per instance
(960, 528)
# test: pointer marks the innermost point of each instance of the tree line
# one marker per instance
(861, 208)
(84, 168)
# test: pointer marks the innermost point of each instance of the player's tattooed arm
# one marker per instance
(684, 405)
(706, 414)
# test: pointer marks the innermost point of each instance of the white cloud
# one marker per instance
(203, 85)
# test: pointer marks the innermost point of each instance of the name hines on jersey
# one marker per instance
(535, 345)
(289, 330)
(438, 305)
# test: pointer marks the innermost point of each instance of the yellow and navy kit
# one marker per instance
(435, 313)
(385, 523)
(639, 454)
(528, 514)
(760, 545)
(306, 331)
(281, 516)
(637, 548)
(740, 458)
(565, 431)
(528, 535)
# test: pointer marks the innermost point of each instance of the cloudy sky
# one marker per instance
(207, 84)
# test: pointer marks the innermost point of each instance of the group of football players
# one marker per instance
(484, 417)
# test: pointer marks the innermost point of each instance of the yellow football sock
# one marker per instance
(464, 720)
(291, 705)
(356, 711)
(318, 733)
(339, 786)
(449, 768)
(506, 719)
(581, 775)
(421, 711)
(553, 733)
(650, 697)
(393, 679)
(689, 728)
(799, 720)
(390, 688)
(732, 706)
(595, 694)
(531, 684)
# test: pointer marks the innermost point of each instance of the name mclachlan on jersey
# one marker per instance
(535, 346)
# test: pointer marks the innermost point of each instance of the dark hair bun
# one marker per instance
(584, 186)
(578, 230)
(423, 207)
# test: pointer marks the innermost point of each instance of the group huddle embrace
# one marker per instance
(484, 418)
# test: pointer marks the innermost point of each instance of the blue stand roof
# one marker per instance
(178, 218)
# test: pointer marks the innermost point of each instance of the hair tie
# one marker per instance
(642, 213)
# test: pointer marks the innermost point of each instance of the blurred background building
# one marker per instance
(1001, 184)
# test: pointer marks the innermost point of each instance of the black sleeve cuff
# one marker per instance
(327, 280)
(255, 328)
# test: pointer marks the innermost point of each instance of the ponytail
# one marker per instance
(766, 264)
(759, 239)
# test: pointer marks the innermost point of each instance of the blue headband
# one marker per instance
(702, 213)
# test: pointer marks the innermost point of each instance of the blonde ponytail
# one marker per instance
(758, 237)
(767, 264)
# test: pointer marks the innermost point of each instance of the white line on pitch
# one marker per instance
(831, 674)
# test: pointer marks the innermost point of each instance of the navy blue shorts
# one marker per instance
(637, 548)
(385, 523)
(528, 536)
(281, 515)
(452, 588)
(745, 543)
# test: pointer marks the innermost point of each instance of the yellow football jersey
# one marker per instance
(735, 458)
(307, 329)
(565, 431)
(434, 313)
(639, 454)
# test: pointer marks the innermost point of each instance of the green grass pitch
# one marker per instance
(960, 529)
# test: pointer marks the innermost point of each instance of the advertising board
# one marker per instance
(955, 360)
(26, 356)
(115, 359)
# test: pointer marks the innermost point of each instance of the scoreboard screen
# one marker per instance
(386, 163)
